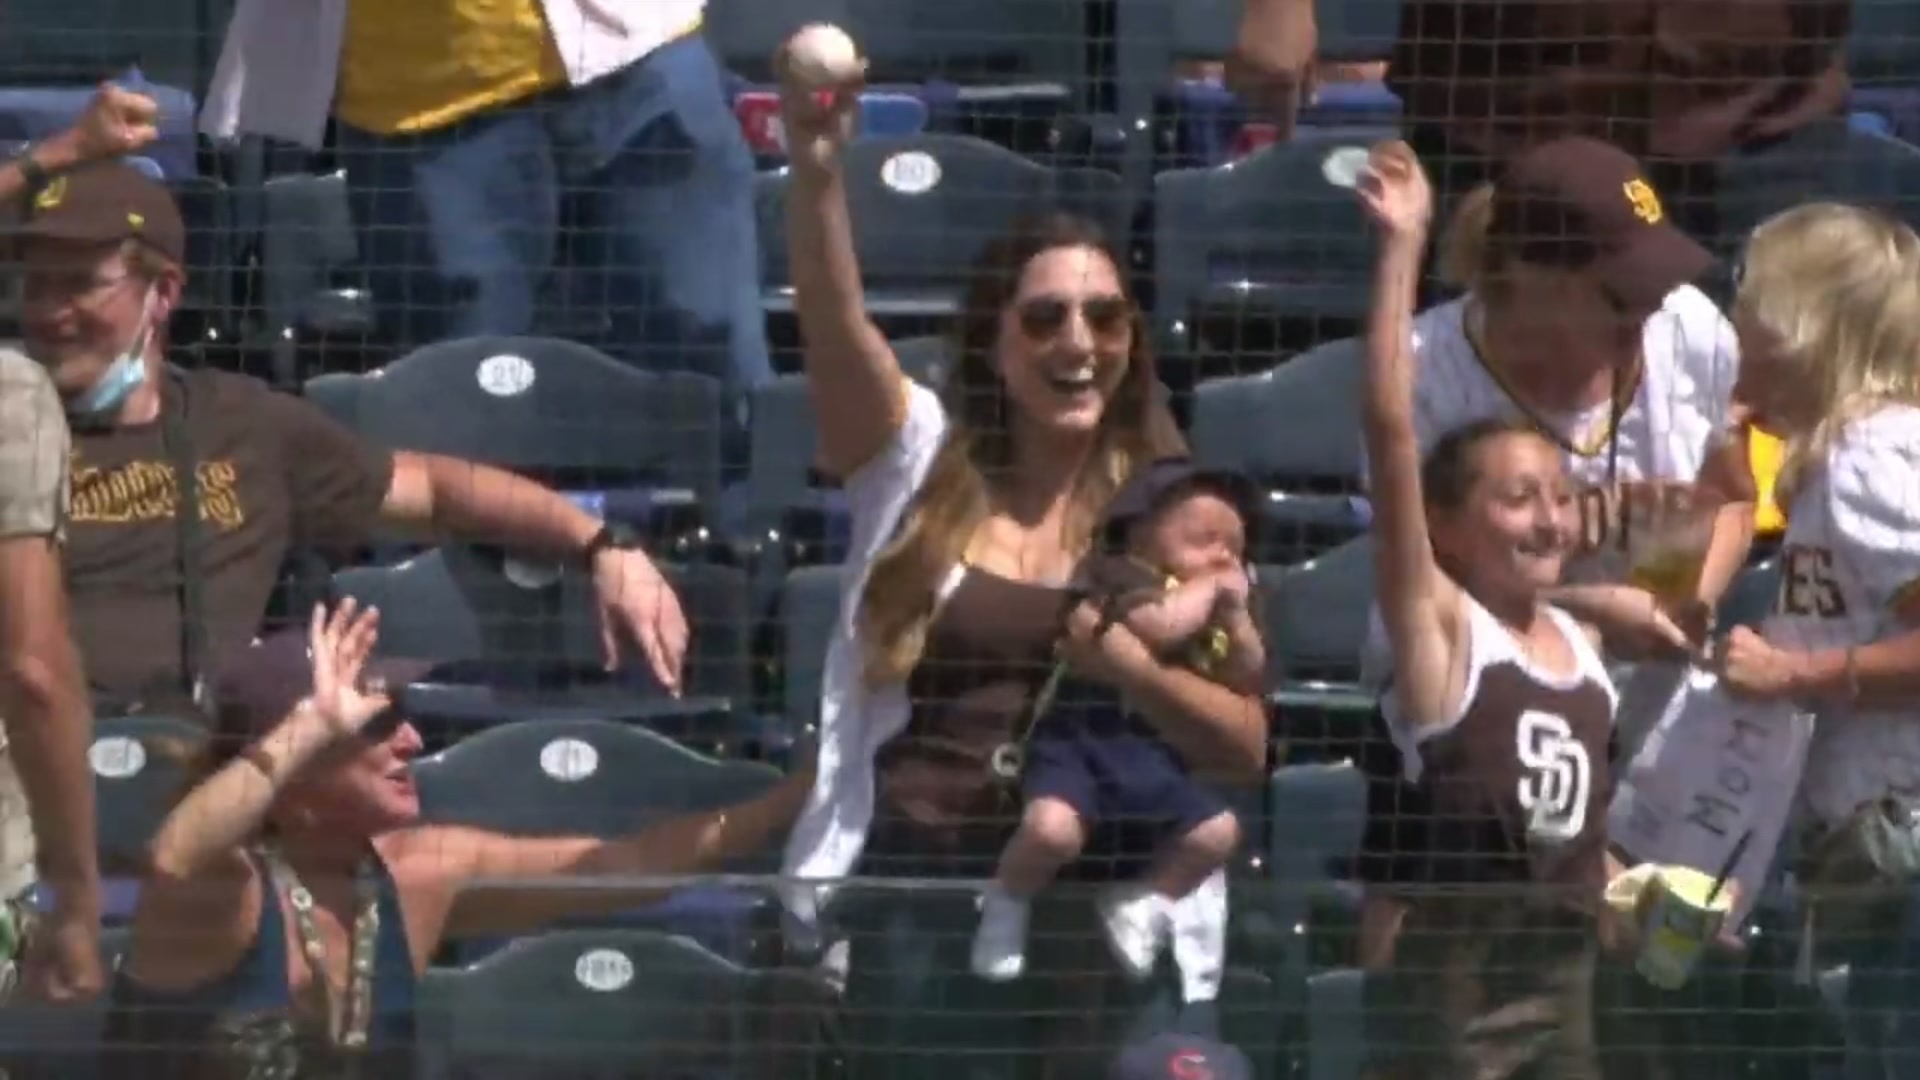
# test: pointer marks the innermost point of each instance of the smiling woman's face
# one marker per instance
(363, 787)
(1064, 340)
(1511, 536)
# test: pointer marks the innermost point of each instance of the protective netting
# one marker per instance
(563, 238)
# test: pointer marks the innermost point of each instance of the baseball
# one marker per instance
(822, 55)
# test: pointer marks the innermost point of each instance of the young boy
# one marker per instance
(1173, 573)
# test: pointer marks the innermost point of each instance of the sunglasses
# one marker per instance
(1042, 318)
(381, 727)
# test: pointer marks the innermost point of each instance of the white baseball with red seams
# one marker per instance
(822, 56)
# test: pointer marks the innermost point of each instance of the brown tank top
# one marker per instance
(988, 652)
(1520, 784)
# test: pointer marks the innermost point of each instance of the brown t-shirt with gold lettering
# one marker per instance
(274, 473)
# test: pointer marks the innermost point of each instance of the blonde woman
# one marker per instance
(1828, 312)
(971, 512)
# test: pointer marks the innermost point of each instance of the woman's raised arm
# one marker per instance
(859, 394)
(1419, 604)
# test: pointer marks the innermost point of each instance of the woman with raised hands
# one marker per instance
(972, 510)
(1580, 319)
(1499, 702)
(294, 895)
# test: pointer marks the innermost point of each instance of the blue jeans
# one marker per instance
(630, 198)
(1882, 1014)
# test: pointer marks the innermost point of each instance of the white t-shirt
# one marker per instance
(1850, 556)
(1691, 360)
(856, 720)
(1686, 383)
(1716, 766)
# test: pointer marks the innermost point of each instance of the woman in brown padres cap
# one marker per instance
(294, 896)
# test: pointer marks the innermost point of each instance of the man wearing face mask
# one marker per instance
(103, 258)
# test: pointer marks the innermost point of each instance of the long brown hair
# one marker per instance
(897, 603)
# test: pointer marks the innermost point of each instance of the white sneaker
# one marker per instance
(1137, 923)
(1000, 944)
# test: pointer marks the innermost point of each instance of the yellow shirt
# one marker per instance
(409, 66)
(1764, 453)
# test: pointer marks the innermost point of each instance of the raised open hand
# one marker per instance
(341, 641)
(1395, 192)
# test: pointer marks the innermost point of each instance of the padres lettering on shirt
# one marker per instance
(1849, 567)
(1624, 458)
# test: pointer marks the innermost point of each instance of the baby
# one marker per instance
(1173, 573)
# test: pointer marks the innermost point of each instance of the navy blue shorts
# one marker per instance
(1116, 772)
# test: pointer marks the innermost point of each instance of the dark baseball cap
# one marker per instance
(104, 203)
(1155, 484)
(1181, 1057)
(1579, 203)
(258, 687)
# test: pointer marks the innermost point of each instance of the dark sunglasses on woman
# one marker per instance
(1042, 318)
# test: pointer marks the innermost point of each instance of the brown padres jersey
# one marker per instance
(1519, 779)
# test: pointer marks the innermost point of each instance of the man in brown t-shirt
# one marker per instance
(104, 254)
(1676, 83)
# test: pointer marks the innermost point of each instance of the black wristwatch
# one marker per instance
(34, 174)
(613, 536)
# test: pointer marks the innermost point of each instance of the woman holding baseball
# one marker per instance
(972, 510)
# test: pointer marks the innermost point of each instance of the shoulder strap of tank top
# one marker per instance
(1586, 654)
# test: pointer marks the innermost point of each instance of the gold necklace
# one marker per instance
(1584, 444)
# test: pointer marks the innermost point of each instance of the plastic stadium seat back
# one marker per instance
(579, 777)
(471, 604)
(590, 1003)
(556, 408)
(1297, 421)
(1267, 231)
(925, 207)
(307, 245)
(1315, 614)
(1822, 162)
(1319, 813)
(141, 769)
(809, 613)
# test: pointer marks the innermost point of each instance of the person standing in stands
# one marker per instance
(1500, 703)
(46, 786)
(1677, 83)
(1577, 318)
(971, 512)
(1828, 311)
(104, 251)
(296, 897)
(471, 131)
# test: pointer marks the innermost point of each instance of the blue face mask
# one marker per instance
(121, 378)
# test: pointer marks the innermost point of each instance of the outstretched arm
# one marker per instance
(1419, 604)
(501, 875)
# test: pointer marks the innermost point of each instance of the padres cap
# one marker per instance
(105, 202)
